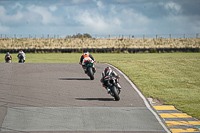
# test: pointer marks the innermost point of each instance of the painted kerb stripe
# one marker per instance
(174, 115)
(164, 107)
(177, 121)
(189, 130)
(171, 123)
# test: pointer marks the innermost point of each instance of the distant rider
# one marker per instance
(8, 56)
(86, 56)
(23, 54)
(109, 72)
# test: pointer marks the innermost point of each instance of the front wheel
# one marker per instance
(8, 61)
(115, 93)
(21, 61)
(91, 73)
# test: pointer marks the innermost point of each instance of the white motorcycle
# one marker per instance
(21, 58)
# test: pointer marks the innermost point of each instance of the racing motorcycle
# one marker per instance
(90, 70)
(111, 83)
(8, 59)
(21, 58)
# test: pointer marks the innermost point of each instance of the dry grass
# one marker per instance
(79, 43)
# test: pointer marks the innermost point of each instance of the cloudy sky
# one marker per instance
(100, 17)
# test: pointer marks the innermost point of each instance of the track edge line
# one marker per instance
(143, 98)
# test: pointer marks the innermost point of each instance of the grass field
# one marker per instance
(172, 78)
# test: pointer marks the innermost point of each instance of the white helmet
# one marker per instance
(86, 53)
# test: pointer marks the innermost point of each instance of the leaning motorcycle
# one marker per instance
(111, 83)
(90, 70)
(8, 59)
(21, 58)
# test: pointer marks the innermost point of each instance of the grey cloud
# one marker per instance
(102, 16)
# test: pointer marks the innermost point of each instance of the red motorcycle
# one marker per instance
(8, 59)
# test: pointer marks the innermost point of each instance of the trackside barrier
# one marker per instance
(104, 50)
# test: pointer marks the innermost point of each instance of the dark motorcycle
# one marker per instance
(21, 58)
(8, 59)
(111, 83)
(90, 70)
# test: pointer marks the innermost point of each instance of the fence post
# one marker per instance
(143, 37)
(54, 36)
(1, 36)
(48, 36)
(197, 36)
(184, 36)
(156, 36)
(14, 36)
(170, 36)
(109, 36)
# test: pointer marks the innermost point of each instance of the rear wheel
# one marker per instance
(21, 61)
(115, 93)
(91, 73)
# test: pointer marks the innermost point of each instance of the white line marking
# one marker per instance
(143, 98)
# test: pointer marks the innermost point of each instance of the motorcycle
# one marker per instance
(21, 58)
(8, 59)
(90, 70)
(111, 83)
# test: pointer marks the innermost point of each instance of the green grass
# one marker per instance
(172, 78)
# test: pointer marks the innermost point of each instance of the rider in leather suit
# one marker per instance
(109, 72)
(86, 56)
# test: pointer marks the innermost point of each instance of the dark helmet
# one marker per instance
(108, 71)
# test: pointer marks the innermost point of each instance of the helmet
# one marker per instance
(86, 53)
(107, 71)
(20, 50)
(8, 53)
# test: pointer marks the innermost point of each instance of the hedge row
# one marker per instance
(104, 50)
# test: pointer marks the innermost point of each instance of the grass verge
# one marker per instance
(172, 78)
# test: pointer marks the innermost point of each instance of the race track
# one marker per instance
(49, 97)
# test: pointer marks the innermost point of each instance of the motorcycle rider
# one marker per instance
(23, 54)
(109, 72)
(86, 56)
(8, 55)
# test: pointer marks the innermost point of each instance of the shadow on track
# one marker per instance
(97, 99)
(74, 79)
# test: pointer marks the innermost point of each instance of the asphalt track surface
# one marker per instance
(47, 97)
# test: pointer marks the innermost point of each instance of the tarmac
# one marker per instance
(60, 97)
